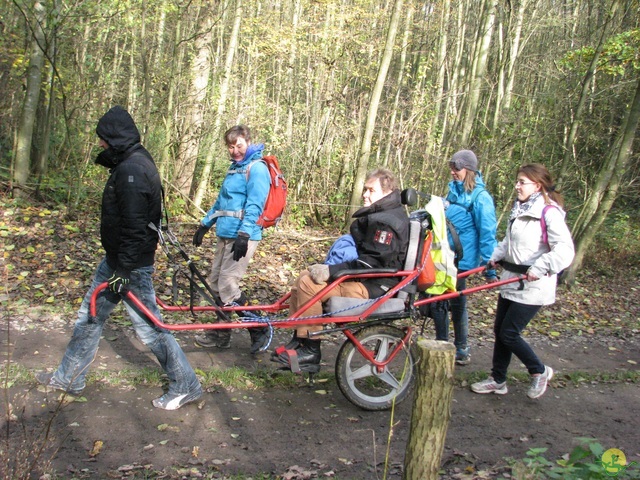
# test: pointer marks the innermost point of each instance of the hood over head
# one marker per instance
(117, 128)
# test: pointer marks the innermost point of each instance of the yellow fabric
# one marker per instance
(441, 252)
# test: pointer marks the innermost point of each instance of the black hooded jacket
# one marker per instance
(381, 234)
(132, 197)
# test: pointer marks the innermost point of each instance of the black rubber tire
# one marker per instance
(358, 379)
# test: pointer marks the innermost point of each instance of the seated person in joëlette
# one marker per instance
(381, 234)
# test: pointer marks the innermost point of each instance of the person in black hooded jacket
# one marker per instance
(132, 197)
(131, 207)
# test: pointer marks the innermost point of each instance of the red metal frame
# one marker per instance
(297, 318)
(368, 354)
(292, 321)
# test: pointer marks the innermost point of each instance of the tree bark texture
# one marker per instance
(203, 182)
(477, 71)
(365, 143)
(608, 183)
(22, 162)
(195, 110)
(431, 410)
(585, 92)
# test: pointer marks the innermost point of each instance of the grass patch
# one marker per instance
(239, 378)
(243, 379)
(127, 376)
(235, 378)
(14, 373)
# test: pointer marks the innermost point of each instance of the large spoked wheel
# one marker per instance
(362, 383)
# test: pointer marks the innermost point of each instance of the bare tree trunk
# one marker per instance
(514, 52)
(22, 162)
(132, 96)
(195, 114)
(457, 71)
(568, 158)
(152, 55)
(365, 144)
(478, 71)
(607, 186)
(431, 410)
(391, 134)
(171, 143)
(290, 81)
(222, 100)
(439, 90)
(42, 157)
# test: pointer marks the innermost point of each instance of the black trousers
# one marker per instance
(511, 319)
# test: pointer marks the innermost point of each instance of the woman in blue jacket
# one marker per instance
(235, 214)
(470, 209)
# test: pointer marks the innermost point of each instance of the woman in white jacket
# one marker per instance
(538, 244)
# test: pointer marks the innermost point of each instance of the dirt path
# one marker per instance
(313, 428)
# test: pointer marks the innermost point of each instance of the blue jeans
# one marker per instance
(511, 320)
(83, 346)
(459, 317)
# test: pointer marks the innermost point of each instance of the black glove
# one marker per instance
(199, 235)
(239, 248)
(119, 281)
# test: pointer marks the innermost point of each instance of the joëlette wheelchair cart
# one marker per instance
(376, 364)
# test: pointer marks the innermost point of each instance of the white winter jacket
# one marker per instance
(523, 245)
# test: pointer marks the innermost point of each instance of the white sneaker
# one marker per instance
(490, 386)
(539, 383)
(170, 401)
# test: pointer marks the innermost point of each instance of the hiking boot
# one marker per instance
(218, 339)
(50, 383)
(170, 401)
(308, 352)
(539, 383)
(259, 339)
(490, 386)
(463, 357)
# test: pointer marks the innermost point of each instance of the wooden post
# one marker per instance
(431, 410)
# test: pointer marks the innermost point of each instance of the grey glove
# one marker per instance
(319, 273)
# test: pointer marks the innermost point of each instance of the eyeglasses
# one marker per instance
(454, 167)
(521, 183)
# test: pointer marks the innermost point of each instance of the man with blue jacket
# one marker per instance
(235, 214)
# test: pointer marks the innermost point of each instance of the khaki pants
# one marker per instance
(226, 273)
(305, 288)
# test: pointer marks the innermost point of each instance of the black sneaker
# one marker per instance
(50, 383)
(214, 339)
(259, 340)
